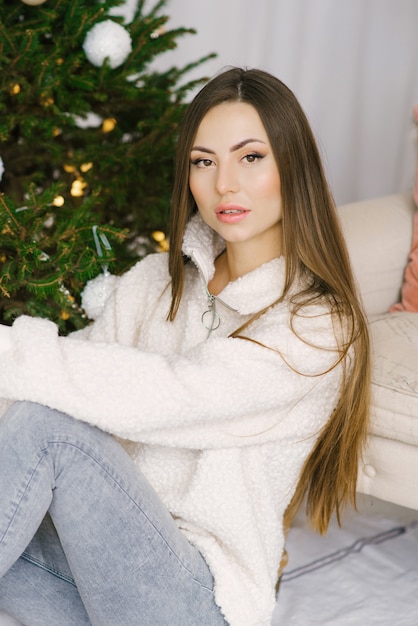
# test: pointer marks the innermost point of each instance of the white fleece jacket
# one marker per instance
(221, 425)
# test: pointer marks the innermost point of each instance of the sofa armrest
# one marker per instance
(379, 233)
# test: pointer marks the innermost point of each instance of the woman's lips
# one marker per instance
(230, 214)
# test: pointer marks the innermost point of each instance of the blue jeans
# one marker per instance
(84, 539)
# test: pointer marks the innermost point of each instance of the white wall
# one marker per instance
(353, 64)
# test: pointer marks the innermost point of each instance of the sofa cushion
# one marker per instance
(378, 233)
(395, 376)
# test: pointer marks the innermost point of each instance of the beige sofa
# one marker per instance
(379, 236)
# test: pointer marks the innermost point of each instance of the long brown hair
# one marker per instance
(314, 251)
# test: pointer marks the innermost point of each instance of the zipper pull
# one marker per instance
(210, 318)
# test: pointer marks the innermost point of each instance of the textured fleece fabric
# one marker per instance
(220, 426)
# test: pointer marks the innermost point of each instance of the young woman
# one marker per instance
(232, 376)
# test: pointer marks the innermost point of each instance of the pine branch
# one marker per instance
(65, 175)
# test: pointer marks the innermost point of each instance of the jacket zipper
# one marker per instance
(210, 318)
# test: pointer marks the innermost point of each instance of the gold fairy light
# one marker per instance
(161, 239)
(58, 201)
(158, 236)
(15, 89)
(78, 187)
(70, 301)
(46, 101)
(108, 124)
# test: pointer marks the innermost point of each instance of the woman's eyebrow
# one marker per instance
(202, 149)
(243, 143)
(233, 148)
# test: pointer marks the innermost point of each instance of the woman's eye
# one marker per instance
(202, 162)
(253, 157)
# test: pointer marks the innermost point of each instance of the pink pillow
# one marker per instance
(415, 111)
(409, 294)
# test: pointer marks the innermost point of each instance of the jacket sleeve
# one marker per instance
(226, 391)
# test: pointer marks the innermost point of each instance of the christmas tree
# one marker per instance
(87, 132)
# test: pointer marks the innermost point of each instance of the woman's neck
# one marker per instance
(236, 261)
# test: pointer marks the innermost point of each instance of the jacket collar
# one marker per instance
(246, 295)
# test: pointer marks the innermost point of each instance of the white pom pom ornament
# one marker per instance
(107, 39)
(33, 3)
(96, 292)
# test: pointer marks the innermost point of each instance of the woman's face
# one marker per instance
(235, 181)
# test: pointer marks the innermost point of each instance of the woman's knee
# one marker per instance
(22, 410)
(32, 421)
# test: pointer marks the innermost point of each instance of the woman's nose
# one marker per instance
(227, 179)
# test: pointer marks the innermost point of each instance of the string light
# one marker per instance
(109, 124)
(158, 236)
(65, 315)
(46, 101)
(7, 230)
(161, 239)
(58, 201)
(15, 89)
(77, 188)
(78, 185)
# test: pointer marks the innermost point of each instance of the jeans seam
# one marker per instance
(137, 506)
(28, 483)
(47, 568)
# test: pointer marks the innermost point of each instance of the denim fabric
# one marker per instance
(84, 539)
